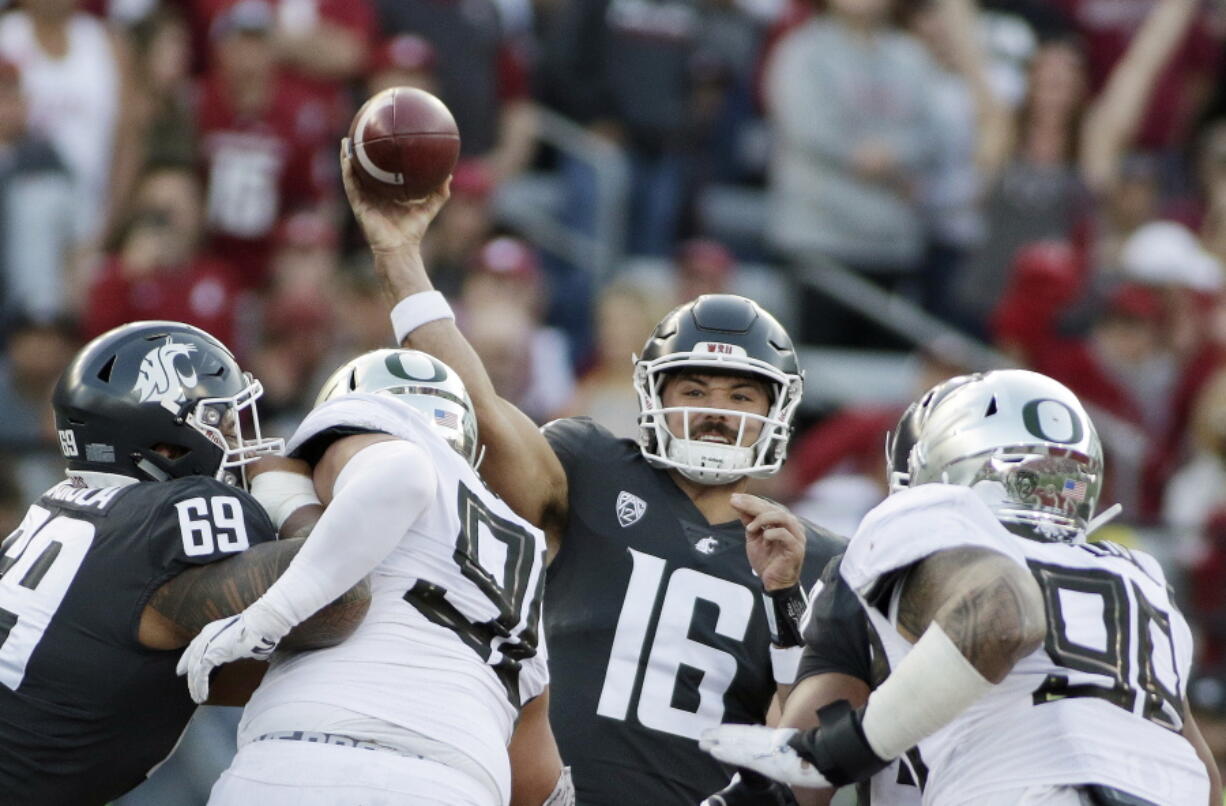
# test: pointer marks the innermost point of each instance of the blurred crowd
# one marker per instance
(1045, 176)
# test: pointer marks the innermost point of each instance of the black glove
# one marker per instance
(839, 749)
(749, 788)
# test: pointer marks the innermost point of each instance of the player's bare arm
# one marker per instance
(800, 712)
(536, 765)
(388, 484)
(1191, 731)
(519, 464)
(972, 614)
(181, 607)
(989, 606)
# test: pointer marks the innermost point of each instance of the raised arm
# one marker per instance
(1112, 121)
(995, 136)
(519, 465)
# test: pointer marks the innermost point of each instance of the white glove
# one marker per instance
(764, 750)
(221, 641)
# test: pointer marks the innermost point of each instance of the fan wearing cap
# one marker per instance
(464, 54)
(662, 569)
(501, 312)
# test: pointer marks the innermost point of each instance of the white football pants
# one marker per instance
(286, 773)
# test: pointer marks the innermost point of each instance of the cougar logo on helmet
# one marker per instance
(158, 375)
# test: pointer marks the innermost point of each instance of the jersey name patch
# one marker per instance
(95, 497)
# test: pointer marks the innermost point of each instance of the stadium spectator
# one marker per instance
(850, 104)
(294, 349)
(971, 132)
(1032, 188)
(36, 352)
(164, 102)
(703, 266)
(261, 139)
(37, 229)
(1127, 183)
(323, 44)
(1197, 490)
(623, 70)
(404, 60)
(461, 228)
(625, 315)
(159, 270)
(1110, 27)
(482, 75)
(501, 309)
(76, 76)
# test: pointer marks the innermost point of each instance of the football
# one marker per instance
(404, 144)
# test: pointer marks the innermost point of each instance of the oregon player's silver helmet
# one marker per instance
(420, 381)
(1023, 441)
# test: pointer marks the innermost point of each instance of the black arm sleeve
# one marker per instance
(836, 633)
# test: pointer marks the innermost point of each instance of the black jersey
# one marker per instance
(85, 710)
(839, 638)
(656, 627)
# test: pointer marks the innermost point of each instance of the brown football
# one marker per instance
(404, 143)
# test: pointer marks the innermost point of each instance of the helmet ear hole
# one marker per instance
(170, 451)
(991, 407)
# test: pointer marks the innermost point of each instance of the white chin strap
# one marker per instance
(709, 462)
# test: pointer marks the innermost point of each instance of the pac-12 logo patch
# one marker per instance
(629, 508)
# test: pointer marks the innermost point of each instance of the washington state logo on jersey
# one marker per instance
(160, 380)
(629, 508)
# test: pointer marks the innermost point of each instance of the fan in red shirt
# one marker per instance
(159, 272)
(321, 43)
(265, 141)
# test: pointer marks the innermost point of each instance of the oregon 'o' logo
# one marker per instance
(1052, 421)
(415, 367)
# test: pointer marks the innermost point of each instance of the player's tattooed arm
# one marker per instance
(181, 607)
(990, 607)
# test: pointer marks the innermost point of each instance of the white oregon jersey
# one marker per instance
(449, 648)
(1099, 703)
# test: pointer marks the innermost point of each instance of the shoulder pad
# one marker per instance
(919, 521)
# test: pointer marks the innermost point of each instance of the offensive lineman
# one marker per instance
(673, 599)
(419, 704)
(1029, 666)
(114, 569)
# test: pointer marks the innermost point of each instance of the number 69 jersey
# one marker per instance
(1100, 703)
(449, 648)
(85, 710)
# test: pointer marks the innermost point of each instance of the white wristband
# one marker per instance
(281, 492)
(932, 685)
(416, 310)
(785, 663)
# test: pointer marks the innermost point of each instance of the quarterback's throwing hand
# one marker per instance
(765, 750)
(220, 641)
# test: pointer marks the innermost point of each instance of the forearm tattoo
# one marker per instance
(218, 590)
